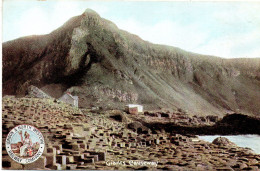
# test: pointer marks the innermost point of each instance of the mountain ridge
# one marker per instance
(105, 66)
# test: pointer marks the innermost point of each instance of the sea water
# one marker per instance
(251, 141)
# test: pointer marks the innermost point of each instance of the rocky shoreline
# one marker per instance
(84, 139)
(231, 124)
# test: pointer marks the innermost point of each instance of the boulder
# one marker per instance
(222, 141)
(138, 127)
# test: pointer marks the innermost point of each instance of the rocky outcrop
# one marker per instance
(223, 141)
(37, 93)
(231, 124)
(108, 67)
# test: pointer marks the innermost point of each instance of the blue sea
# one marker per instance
(251, 140)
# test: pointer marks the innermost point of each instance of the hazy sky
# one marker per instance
(226, 29)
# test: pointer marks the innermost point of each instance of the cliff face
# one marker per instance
(105, 66)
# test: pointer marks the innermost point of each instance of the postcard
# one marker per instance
(130, 85)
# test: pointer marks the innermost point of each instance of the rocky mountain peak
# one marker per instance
(109, 67)
(90, 12)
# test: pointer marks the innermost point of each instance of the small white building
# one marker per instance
(68, 98)
(134, 108)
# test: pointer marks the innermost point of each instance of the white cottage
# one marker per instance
(134, 108)
(68, 98)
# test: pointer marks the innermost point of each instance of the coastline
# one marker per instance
(84, 139)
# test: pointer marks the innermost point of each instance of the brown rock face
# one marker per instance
(105, 66)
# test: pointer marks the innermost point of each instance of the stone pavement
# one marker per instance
(81, 140)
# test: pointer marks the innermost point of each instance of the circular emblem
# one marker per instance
(24, 144)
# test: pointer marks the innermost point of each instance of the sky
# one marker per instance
(225, 29)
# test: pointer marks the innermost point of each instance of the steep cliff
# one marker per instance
(108, 67)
